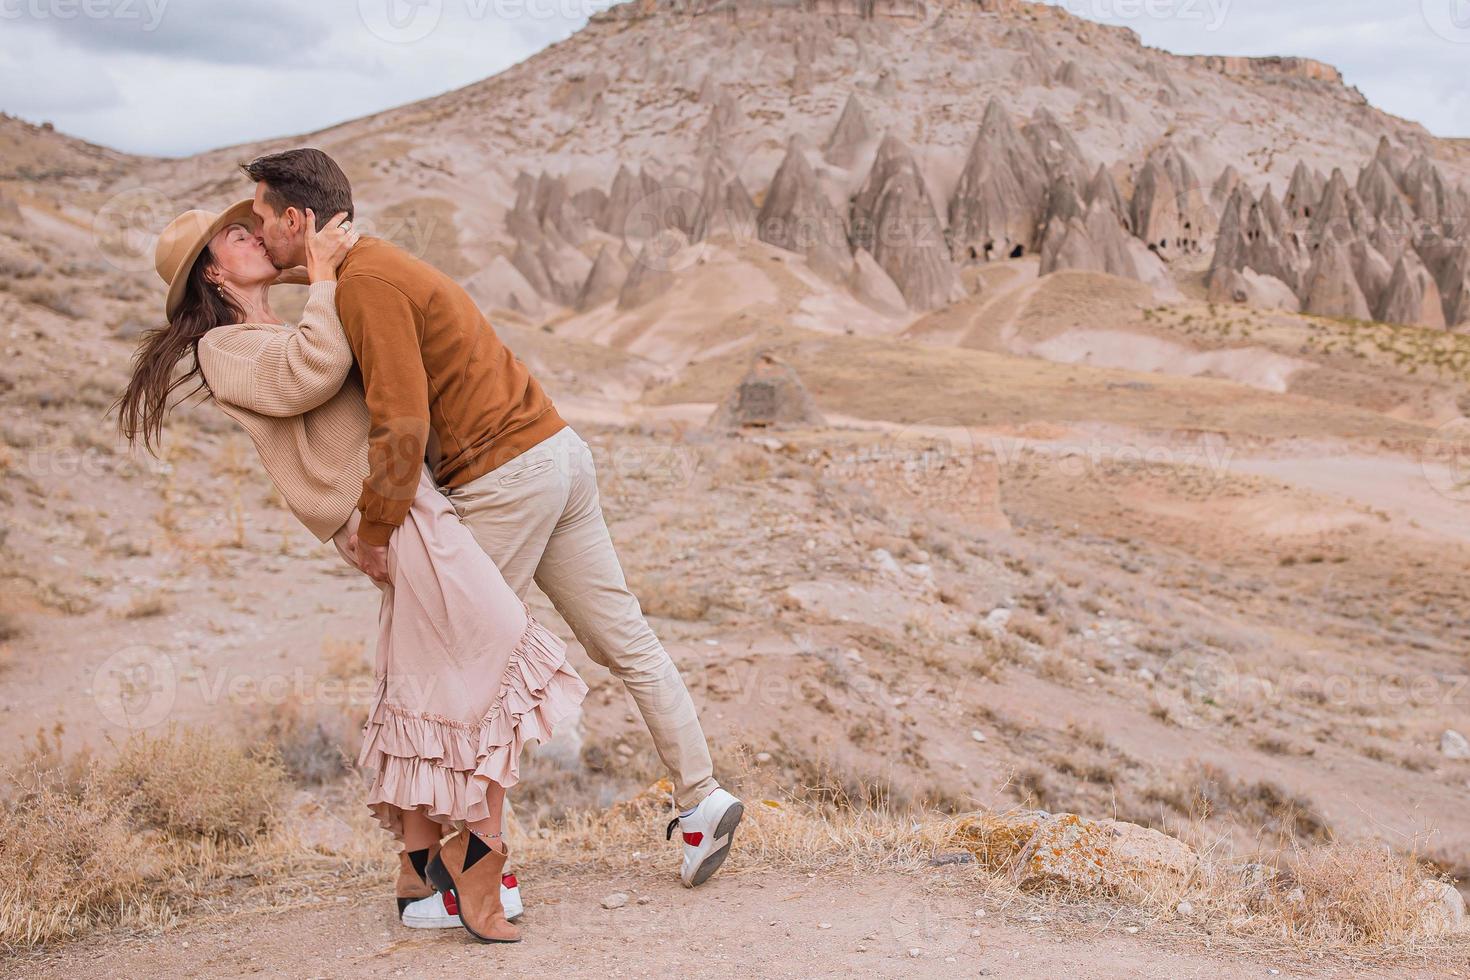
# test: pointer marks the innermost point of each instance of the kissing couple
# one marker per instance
(396, 424)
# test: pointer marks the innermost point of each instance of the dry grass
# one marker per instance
(196, 785)
(87, 845)
(143, 869)
(1349, 896)
(72, 864)
(315, 742)
(1204, 792)
(345, 660)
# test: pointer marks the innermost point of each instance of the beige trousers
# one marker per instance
(539, 517)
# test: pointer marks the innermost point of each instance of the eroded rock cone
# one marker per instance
(997, 204)
(1225, 185)
(1379, 190)
(798, 217)
(1054, 145)
(604, 283)
(652, 273)
(1372, 270)
(627, 190)
(724, 209)
(770, 395)
(1091, 242)
(1332, 289)
(1339, 213)
(852, 132)
(1170, 212)
(1412, 296)
(566, 271)
(894, 218)
(874, 287)
(527, 260)
(591, 203)
(1104, 188)
(501, 285)
(1304, 191)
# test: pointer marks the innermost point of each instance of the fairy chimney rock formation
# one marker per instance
(770, 395)
(853, 130)
(604, 282)
(1332, 288)
(1001, 191)
(798, 217)
(894, 218)
(1412, 296)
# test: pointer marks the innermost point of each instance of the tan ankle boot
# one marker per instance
(410, 887)
(477, 890)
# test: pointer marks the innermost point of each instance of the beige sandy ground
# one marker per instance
(743, 925)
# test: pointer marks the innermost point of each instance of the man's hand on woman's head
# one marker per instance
(326, 249)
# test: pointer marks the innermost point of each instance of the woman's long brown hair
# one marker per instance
(144, 406)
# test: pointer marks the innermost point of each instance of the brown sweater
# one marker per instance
(293, 391)
(439, 382)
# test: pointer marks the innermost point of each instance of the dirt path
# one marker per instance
(743, 925)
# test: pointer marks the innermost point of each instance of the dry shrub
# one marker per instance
(196, 784)
(345, 660)
(316, 743)
(70, 864)
(44, 765)
(775, 834)
(1352, 895)
(1041, 630)
(556, 784)
(1206, 791)
(1346, 896)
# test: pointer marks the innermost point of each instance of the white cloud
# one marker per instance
(179, 76)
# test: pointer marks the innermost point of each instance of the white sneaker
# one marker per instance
(441, 911)
(708, 833)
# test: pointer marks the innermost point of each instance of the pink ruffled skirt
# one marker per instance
(466, 677)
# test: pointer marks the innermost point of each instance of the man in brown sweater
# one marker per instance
(441, 387)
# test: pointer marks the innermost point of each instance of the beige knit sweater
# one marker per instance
(294, 392)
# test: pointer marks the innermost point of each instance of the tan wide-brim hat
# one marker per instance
(185, 238)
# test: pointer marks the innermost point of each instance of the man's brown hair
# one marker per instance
(302, 179)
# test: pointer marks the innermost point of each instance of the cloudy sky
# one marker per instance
(176, 76)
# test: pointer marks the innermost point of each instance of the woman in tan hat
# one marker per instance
(465, 676)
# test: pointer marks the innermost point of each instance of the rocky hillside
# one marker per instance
(1090, 482)
(891, 145)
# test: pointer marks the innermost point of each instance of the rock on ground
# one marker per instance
(1105, 856)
